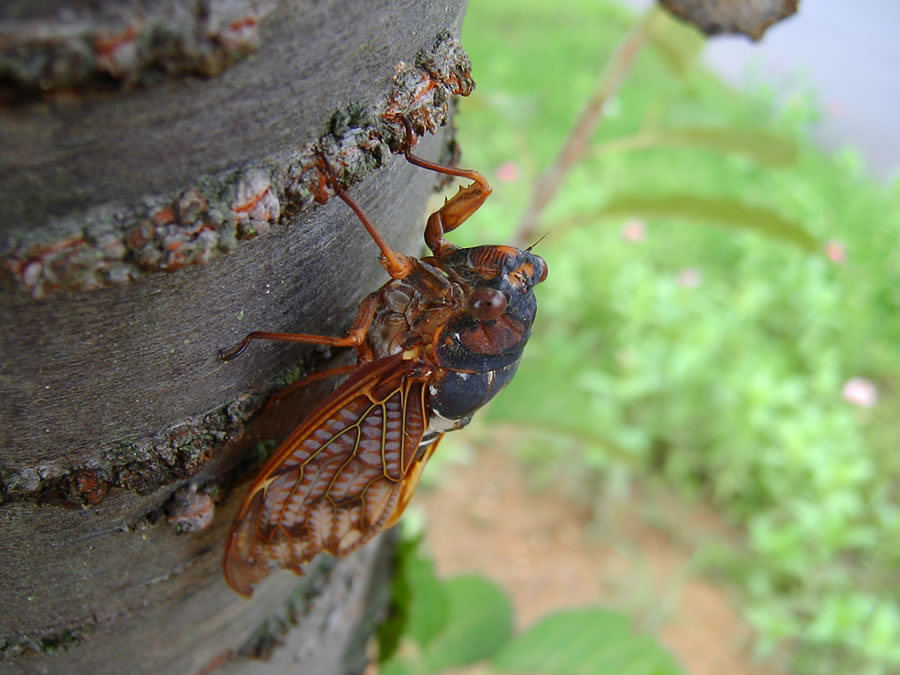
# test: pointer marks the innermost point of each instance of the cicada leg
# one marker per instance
(455, 210)
(397, 265)
(276, 398)
(356, 336)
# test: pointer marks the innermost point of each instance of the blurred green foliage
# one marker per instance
(468, 619)
(686, 329)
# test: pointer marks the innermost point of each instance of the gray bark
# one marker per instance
(157, 207)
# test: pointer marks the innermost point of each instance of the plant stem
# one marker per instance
(576, 144)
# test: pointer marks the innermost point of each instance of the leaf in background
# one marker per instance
(399, 668)
(479, 622)
(430, 607)
(764, 148)
(585, 642)
(679, 46)
(547, 397)
(717, 210)
(418, 604)
(391, 630)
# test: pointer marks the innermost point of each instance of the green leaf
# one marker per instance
(585, 642)
(716, 210)
(765, 148)
(429, 610)
(419, 603)
(479, 622)
(679, 46)
(395, 667)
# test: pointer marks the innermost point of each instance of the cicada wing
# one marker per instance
(337, 480)
(412, 480)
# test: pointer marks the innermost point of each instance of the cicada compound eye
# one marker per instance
(540, 269)
(487, 304)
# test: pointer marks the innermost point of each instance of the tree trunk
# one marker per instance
(157, 170)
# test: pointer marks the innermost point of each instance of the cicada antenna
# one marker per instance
(543, 236)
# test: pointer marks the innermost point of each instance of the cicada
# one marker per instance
(433, 345)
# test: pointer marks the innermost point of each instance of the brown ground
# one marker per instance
(482, 517)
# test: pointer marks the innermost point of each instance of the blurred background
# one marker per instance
(701, 443)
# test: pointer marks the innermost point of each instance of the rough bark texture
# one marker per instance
(113, 395)
(746, 17)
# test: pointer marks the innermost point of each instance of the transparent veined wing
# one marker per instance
(344, 474)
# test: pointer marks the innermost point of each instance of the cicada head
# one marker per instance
(495, 323)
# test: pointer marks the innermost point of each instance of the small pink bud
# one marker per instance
(508, 172)
(634, 230)
(836, 252)
(861, 392)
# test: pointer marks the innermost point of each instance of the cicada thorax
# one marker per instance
(411, 310)
(467, 316)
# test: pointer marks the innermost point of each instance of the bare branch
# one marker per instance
(576, 144)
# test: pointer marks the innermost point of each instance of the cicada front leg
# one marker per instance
(397, 265)
(455, 210)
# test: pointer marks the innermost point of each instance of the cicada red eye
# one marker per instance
(541, 269)
(487, 304)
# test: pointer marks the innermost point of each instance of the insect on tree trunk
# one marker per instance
(158, 182)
